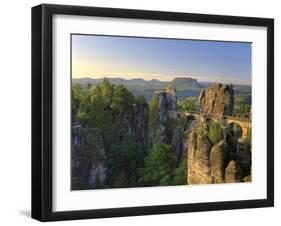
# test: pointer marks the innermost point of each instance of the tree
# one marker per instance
(215, 132)
(107, 91)
(122, 100)
(140, 99)
(93, 144)
(188, 104)
(242, 105)
(159, 166)
(91, 108)
(122, 164)
(181, 172)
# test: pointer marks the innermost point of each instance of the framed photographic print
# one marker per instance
(145, 112)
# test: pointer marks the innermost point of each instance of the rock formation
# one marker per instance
(88, 157)
(217, 161)
(140, 123)
(167, 103)
(233, 172)
(173, 126)
(225, 162)
(89, 146)
(217, 99)
(198, 162)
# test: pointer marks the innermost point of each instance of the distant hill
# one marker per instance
(186, 83)
(118, 81)
(185, 86)
(178, 83)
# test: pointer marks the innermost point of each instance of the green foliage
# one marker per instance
(215, 132)
(158, 166)
(77, 96)
(122, 100)
(249, 138)
(180, 177)
(107, 91)
(122, 164)
(93, 142)
(236, 130)
(242, 105)
(90, 105)
(141, 99)
(247, 178)
(189, 104)
(106, 111)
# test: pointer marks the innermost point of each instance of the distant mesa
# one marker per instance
(185, 82)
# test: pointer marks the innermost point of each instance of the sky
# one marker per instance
(163, 59)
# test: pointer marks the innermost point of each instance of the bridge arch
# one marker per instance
(244, 123)
(235, 129)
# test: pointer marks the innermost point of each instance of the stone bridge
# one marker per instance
(244, 123)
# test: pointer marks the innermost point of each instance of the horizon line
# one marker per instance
(247, 83)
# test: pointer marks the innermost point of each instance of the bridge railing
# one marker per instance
(235, 118)
(228, 117)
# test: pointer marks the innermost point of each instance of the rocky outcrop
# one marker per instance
(90, 145)
(95, 152)
(88, 157)
(198, 161)
(97, 175)
(140, 123)
(173, 127)
(167, 103)
(217, 99)
(217, 161)
(227, 161)
(233, 172)
(244, 158)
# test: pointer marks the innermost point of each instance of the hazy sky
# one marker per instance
(163, 59)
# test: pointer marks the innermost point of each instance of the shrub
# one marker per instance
(215, 132)
(158, 166)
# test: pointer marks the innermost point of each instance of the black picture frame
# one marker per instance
(42, 111)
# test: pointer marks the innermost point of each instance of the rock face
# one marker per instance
(233, 172)
(167, 103)
(217, 161)
(217, 99)
(173, 126)
(225, 162)
(198, 162)
(88, 158)
(95, 152)
(140, 123)
(90, 146)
